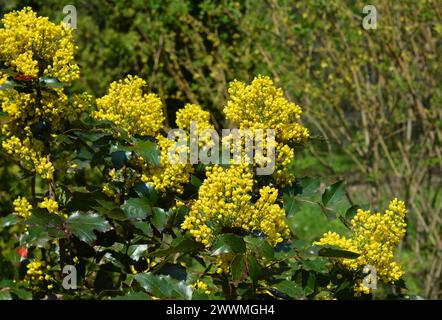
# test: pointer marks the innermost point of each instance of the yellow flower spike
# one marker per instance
(374, 236)
(261, 105)
(26, 39)
(127, 106)
(193, 112)
(167, 176)
(22, 207)
(224, 200)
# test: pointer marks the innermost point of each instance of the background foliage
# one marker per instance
(373, 96)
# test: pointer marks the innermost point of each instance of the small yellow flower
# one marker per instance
(50, 204)
(22, 207)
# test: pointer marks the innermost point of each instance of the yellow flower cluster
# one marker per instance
(223, 262)
(374, 237)
(22, 207)
(261, 105)
(50, 204)
(38, 277)
(36, 47)
(3, 79)
(82, 102)
(194, 113)
(169, 175)
(284, 157)
(202, 286)
(32, 159)
(128, 107)
(224, 200)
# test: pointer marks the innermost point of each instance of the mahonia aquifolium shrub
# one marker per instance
(106, 198)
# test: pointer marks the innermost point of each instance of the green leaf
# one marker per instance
(43, 227)
(195, 181)
(259, 246)
(183, 244)
(136, 251)
(136, 208)
(148, 150)
(5, 295)
(318, 265)
(291, 206)
(146, 190)
(176, 271)
(333, 194)
(160, 217)
(351, 212)
(227, 243)
(290, 289)
(333, 252)
(110, 209)
(22, 294)
(83, 226)
(308, 187)
(120, 159)
(254, 269)
(144, 227)
(9, 220)
(164, 287)
(237, 267)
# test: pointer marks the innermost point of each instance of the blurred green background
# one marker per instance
(372, 98)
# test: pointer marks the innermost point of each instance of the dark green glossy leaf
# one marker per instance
(227, 243)
(308, 187)
(259, 246)
(146, 190)
(136, 251)
(144, 227)
(333, 194)
(183, 244)
(10, 220)
(136, 208)
(160, 217)
(83, 201)
(148, 150)
(195, 181)
(318, 265)
(253, 268)
(333, 252)
(291, 206)
(289, 288)
(237, 267)
(110, 209)
(83, 226)
(163, 287)
(351, 212)
(119, 159)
